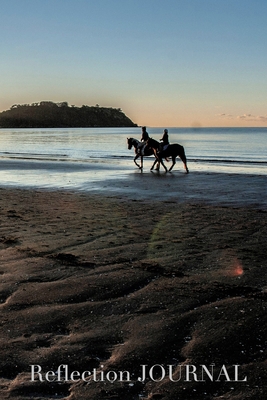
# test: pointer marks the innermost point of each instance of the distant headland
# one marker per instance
(47, 114)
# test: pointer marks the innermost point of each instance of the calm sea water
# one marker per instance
(73, 158)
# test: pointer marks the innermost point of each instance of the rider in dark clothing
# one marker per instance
(144, 138)
(145, 135)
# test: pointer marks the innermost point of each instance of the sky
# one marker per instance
(171, 63)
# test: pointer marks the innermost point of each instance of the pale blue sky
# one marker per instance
(165, 63)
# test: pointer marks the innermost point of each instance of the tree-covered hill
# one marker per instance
(47, 114)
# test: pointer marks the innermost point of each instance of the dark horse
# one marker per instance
(144, 151)
(173, 150)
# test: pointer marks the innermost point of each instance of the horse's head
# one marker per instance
(130, 143)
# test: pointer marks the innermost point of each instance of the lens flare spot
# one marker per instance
(237, 269)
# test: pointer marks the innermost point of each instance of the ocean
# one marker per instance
(79, 158)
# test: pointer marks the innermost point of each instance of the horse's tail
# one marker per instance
(183, 156)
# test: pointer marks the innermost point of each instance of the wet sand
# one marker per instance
(134, 274)
(200, 187)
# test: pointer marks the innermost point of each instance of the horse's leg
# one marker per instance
(173, 163)
(185, 166)
(183, 158)
(156, 161)
(161, 162)
(135, 158)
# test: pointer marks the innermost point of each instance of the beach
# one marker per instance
(158, 273)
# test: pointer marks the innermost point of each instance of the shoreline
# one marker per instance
(200, 187)
(108, 283)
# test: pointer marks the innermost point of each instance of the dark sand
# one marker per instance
(118, 281)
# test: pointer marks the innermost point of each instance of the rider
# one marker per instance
(144, 138)
(145, 135)
(165, 141)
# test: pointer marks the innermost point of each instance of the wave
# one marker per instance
(28, 156)
(227, 161)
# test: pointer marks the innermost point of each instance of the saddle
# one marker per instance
(162, 148)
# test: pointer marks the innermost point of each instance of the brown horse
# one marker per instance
(143, 151)
(173, 150)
